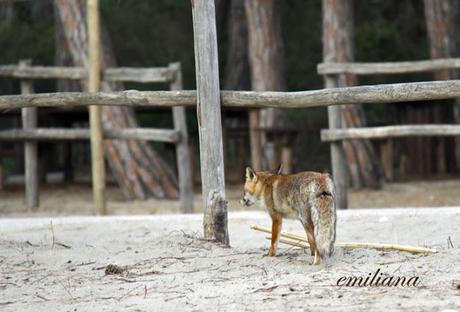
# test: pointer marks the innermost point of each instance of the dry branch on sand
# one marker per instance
(299, 241)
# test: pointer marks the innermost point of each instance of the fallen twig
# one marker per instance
(31, 244)
(125, 279)
(41, 297)
(54, 242)
(449, 242)
(52, 233)
(266, 289)
(302, 242)
(129, 292)
(86, 263)
(63, 245)
(67, 290)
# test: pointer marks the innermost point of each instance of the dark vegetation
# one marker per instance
(153, 33)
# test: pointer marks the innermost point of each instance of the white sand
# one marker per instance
(171, 268)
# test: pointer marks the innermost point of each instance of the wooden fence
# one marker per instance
(374, 94)
(30, 133)
(333, 70)
(387, 93)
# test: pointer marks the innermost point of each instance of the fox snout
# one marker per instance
(247, 200)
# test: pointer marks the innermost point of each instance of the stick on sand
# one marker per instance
(299, 241)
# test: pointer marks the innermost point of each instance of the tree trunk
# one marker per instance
(138, 169)
(237, 66)
(338, 45)
(63, 57)
(236, 77)
(267, 72)
(442, 21)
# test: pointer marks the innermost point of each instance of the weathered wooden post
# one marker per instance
(29, 121)
(331, 24)
(97, 153)
(209, 121)
(183, 153)
(387, 158)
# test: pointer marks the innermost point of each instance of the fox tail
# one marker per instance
(323, 215)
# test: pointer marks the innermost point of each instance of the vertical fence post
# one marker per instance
(182, 150)
(386, 152)
(339, 169)
(29, 121)
(209, 121)
(97, 153)
(331, 52)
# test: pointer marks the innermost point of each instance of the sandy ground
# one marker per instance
(76, 199)
(169, 267)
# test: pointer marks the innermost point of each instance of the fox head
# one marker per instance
(253, 185)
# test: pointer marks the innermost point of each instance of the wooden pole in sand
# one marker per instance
(209, 121)
(29, 121)
(97, 154)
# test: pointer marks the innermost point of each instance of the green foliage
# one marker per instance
(23, 40)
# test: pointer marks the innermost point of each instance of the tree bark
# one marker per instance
(438, 19)
(237, 66)
(338, 45)
(138, 169)
(236, 77)
(442, 21)
(63, 57)
(266, 57)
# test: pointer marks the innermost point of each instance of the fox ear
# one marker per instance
(250, 174)
(278, 170)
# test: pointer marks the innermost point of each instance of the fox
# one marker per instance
(307, 196)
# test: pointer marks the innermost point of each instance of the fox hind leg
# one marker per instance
(311, 240)
(276, 229)
(310, 229)
(317, 258)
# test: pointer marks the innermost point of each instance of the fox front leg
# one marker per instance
(276, 229)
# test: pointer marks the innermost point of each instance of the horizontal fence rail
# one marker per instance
(385, 93)
(51, 134)
(43, 72)
(157, 74)
(385, 132)
(387, 67)
(134, 74)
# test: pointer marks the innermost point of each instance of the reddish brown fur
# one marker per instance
(307, 196)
